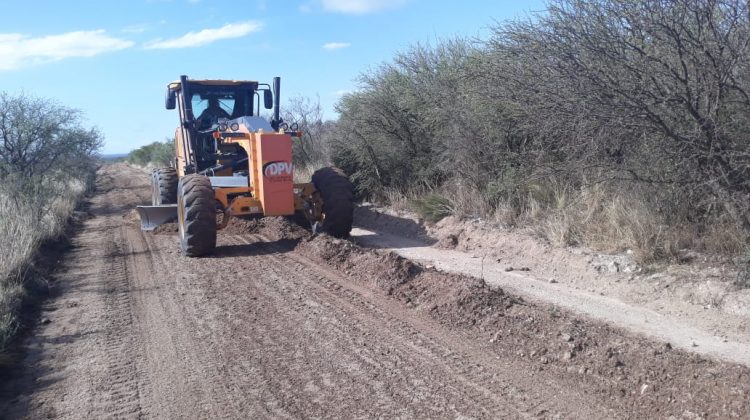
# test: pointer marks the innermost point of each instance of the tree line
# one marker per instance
(48, 157)
(648, 99)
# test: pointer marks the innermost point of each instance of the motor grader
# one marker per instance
(231, 162)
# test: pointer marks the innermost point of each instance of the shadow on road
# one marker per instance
(368, 217)
(369, 239)
(256, 248)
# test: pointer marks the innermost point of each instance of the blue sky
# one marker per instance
(113, 59)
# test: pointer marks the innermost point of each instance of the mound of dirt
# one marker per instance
(454, 300)
(457, 300)
(699, 291)
(166, 229)
(386, 270)
(132, 217)
(273, 228)
(639, 375)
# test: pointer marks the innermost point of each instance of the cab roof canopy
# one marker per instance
(176, 84)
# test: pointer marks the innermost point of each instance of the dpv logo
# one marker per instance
(277, 169)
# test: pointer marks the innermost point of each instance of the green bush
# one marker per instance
(432, 207)
(620, 95)
(155, 154)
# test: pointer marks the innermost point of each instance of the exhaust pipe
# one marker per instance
(276, 101)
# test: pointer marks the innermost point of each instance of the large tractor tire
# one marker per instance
(163, 186)
(337, 193)
(196, 215)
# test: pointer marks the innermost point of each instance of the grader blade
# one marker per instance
(153, 216)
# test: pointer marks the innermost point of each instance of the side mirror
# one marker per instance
(267, 99)
(170, 99)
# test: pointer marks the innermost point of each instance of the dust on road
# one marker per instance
(278, 326)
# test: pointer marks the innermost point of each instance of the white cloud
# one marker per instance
(360, 7)
(336, 45)
(18, 50)
(206, 36)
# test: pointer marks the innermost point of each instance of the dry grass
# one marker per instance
(27, 221)
(606, 220)
(453, 198)
(620, 221)
(303, 173)
(466, 201)
(397, 200)
(433, 207)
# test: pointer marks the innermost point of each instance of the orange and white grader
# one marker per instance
(229, 162)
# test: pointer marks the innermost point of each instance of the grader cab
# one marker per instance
(231, 162)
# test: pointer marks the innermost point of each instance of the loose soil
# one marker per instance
(280, 324)
(692, 305)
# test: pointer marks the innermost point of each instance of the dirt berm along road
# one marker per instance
(279, 325)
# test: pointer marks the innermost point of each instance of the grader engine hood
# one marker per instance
(272, 172)
(252, 124)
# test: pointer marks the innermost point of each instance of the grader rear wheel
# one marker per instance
(196, 215)
(164, 186)
(337, 193)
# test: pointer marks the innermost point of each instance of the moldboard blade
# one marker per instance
(153, 216)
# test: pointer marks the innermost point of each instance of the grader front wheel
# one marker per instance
(196, 215)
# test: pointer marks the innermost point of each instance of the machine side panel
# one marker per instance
(275, 183)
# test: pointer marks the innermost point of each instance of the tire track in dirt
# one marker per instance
(416, 346)
(476, 373)
(179, 361)
(123, 395)
(348, 306)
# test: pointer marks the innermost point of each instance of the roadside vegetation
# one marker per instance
(47, 162)
(156, 154)
(610, 123)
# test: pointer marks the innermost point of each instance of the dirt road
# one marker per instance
(277, 326)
